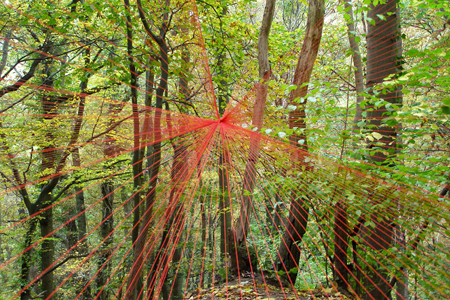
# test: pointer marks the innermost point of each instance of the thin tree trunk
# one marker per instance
(168, 243)
(138, 253)
(137, 150)
(47, 252)
(80, 207)
(299, 212)
(341, 234)
(106, 228)
(178, 173)
(137, 161)
(178, 284)
(76, 161)
(81, 225)
(239, 258)
(47, 249)
(203, 231)
(357, 64)
(224, 200)
(5, 52)
(71, 227)
(222, 96)
(402, 282)
(224, 204)
(26, 259)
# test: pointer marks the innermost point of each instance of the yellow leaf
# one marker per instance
(377, 135)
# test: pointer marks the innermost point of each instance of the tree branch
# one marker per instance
(17, 102)
(145, 23)
(14, 87)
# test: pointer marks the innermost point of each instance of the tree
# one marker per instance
(383, 60)
(238, 251)
(298, 212)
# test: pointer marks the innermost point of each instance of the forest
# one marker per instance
(207, 149)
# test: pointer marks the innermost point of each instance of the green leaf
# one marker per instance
(413, 52)
(445, 110)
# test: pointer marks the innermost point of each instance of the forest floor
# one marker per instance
(249, 287)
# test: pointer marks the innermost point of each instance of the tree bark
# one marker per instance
(49, 108)
(47, 249)
(341, 234)
(80, 206)
(26, 260)
(179, 173)
(175, 214)
(5, 52)
(383, 51)
(224, 199)
(76, 161)
(239, 258)
(299, 211)
(224, 203)
(107, 226)
(136, 271)
(357, 64)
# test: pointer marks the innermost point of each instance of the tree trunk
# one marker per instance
(80, 207)
(47, 249)
(402, 290)
(76, 161)
(357, 64)
(239, 258)
(168, 252)
(224, 204)
(299, 211)
(26, 259)
(137, 152)
(49, 155)
(383, 51)
(378, 238)
(5, 51)
(81, 225)
(179, 172)
(341, 234)
(110, 149)
(106, 228)
(138, 259)
(178, 278)
(224, 199)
